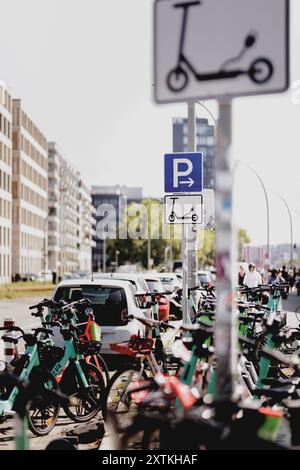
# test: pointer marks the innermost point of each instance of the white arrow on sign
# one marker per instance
(189, 182)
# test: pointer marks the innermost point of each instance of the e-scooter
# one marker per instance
(187, 216)
(260, 70)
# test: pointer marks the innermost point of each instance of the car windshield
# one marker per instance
(109, 303)
(169, 283)
(203, 278)
(155, 286)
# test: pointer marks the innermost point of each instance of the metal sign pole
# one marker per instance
(225, 340)
(192, 260)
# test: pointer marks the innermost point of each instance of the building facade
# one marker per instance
(87, 223)
(205, 143)
(70, 219)
(30, 195)
(116, 196)
(5, 185)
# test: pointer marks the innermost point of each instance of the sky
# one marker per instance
(83, 69)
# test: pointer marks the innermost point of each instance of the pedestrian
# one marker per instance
(297, 282)
(285, 274)
(241, 276)
(274, 277)
(252, 277)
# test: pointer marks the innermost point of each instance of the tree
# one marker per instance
(243, 238)
(141, 220)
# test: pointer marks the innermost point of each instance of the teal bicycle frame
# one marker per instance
(6, 406)
(264, 363)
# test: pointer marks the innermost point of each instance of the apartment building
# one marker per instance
(205, 143)
(116, 196)
(5, 184)
(70, 218)
(87, 232)
(30, 195)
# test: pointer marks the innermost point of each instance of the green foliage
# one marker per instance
(135, 250)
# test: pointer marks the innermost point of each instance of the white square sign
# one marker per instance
(210, 49)
(184, 209)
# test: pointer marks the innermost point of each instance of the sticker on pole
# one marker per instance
(184, 209)
(184, 172)
(220, 48)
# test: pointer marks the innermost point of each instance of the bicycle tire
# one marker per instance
(39, 408)
(104, 369)
(126, 374)
(297, 313)
(282, 371)
(91, 400)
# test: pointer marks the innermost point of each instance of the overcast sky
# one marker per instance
(83, 69)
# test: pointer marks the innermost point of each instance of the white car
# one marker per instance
(205, 278)
(112, 300)
(137, 280)
(170, 281)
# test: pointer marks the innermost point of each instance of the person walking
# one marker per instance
(252, 277)
(241, 276)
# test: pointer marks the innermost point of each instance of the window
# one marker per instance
(109, 303)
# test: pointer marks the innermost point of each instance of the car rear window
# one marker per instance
(109, 303)
(203, 278)
(155, 286)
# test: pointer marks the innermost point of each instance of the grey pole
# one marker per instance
(149, 250)
(104, 256)
(192, 260)
(225, 340)
(291, 227)
(267, 206)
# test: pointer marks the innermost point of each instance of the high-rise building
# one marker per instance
(5, 184)
(70, 219)
(116, 196)
(205, 143)
(30, 195)
(87, 223)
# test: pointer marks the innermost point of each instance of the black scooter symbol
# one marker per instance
(260, 70)
(189, 216)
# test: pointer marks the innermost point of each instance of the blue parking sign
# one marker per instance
(184, 172)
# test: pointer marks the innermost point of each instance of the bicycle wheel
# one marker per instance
(297, 313)
(90, 400)
(281, 345)
(42, 411)
(118, 401)
(102, 366)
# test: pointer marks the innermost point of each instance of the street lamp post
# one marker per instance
(291, 227)
(117, 259)
(267, 205)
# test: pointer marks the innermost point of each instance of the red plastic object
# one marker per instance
(136, 345)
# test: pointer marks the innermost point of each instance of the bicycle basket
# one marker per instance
(136, 345)
(88, 348)
(49, 354)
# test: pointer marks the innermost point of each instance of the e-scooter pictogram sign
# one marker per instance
(184, 209)
(220, 49)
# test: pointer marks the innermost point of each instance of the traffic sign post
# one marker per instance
(184, 172)
(218, 50)
(184, 209)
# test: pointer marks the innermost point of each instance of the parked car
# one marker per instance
(136, 279)
(155, 285)
(205, 278)
(112, 300)
(44, 276)
(170, 281)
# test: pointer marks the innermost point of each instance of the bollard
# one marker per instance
(9, 349)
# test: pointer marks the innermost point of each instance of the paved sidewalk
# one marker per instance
(290, 305)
